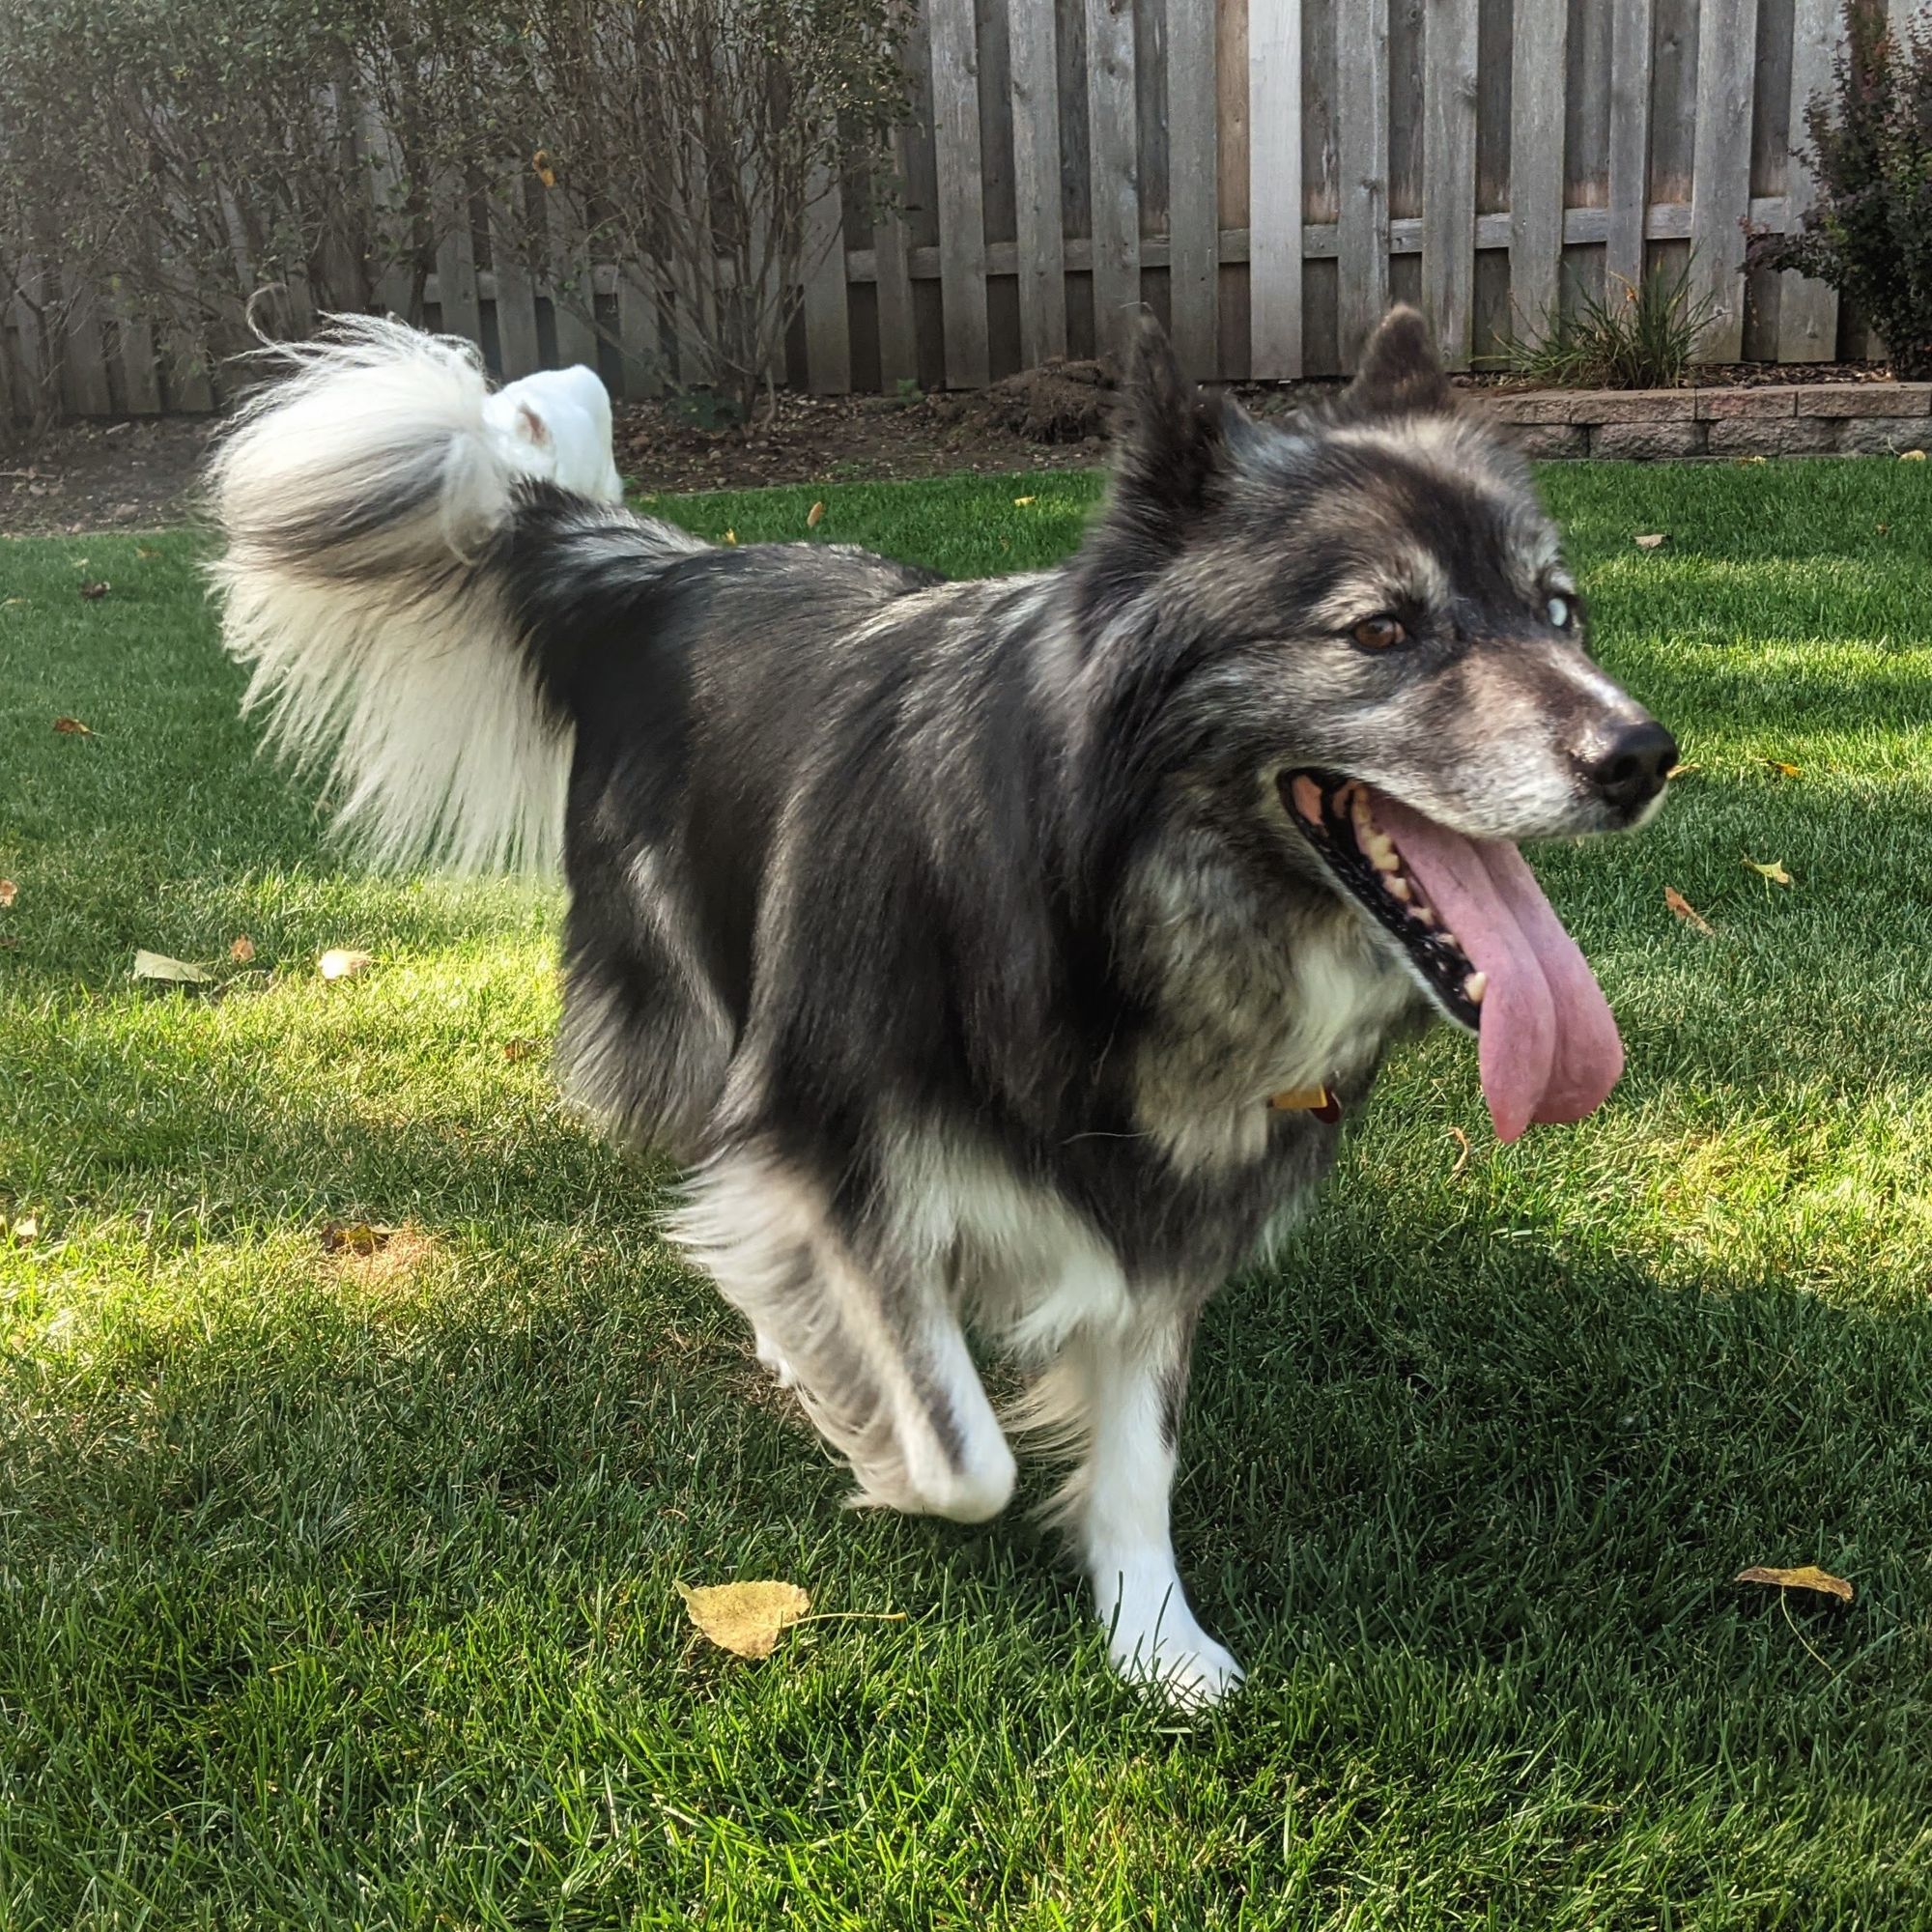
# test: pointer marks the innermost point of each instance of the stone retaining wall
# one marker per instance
(1810, 420)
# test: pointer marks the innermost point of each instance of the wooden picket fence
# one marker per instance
(1265, 175)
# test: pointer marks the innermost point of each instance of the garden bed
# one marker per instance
(1797, 420)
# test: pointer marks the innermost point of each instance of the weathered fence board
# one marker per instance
(1537, 72)
(1361, 101)
(828, 320)
(1628, 159)
(1720, 169)
(1265, 173)
(1193, 187)
(1032, 50)
(1807, 311)
(518, 343)
(962, 220)
(1274, 188)
(1112, 131)
(1449, 177)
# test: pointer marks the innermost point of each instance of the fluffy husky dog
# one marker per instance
(959, 937)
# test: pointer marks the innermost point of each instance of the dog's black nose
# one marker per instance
(1632, 771)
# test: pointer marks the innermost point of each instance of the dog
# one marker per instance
(1003, 955)
(555, 425)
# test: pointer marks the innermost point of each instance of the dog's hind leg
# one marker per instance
(1116, 1389)
(881, 1367)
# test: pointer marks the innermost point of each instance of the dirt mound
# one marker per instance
(1062, 401)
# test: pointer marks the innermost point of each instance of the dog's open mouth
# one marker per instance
(1475, 926)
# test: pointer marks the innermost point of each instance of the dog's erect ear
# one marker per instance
(1172, 440)
(531, 427)
(1400, 373)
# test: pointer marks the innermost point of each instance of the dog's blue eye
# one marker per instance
(1558, 609)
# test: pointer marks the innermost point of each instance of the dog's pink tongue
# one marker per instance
(1548, 1047)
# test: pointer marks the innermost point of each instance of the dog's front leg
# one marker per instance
(1121, 1387)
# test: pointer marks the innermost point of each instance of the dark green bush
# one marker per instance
(1869, 231)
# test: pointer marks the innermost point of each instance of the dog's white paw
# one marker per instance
(1155, 1642)
(1187, 1670)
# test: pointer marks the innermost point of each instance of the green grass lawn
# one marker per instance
(341, 1592)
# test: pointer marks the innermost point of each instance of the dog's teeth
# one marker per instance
(1397, 888)
(1475, 986)
(1423, 912)
(1382, 856)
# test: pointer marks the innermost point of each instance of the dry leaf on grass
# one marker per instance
(339, 964)
(355, 1237)
(93, 592)
(1684, 909)
(9, 944)
(173, 972)
(1652, 540)
(146, 550)
(744, 1618)
(518, 1049)
(1808, 1577)
(9, 892)
(1020, 502)
(1912, 456)
(72, 728)
(1775, 872)
(24, 1232)
(730, 536)
(1783, 770)
(814, 516)
(243, 950)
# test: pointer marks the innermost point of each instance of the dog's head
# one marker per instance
(1372, 654)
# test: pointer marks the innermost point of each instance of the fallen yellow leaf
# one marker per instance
(1775, 872)
(542, 167)
(744, 1618)
(25, 1232)
(1807, 1577)
(730, 536)
(1682, 770)
(9, 892)
(518, 1049)
(356, 1237)
(175, 972)
(1020, 502)
(338, 963)
(1684, 909)
(814, 516)
(1653, 540)
(242, 949)
(1783, 770)
(1912, 456)
(72, 728)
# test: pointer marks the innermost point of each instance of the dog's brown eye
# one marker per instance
(1377, 634)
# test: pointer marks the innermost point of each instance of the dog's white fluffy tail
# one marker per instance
(367, 506)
